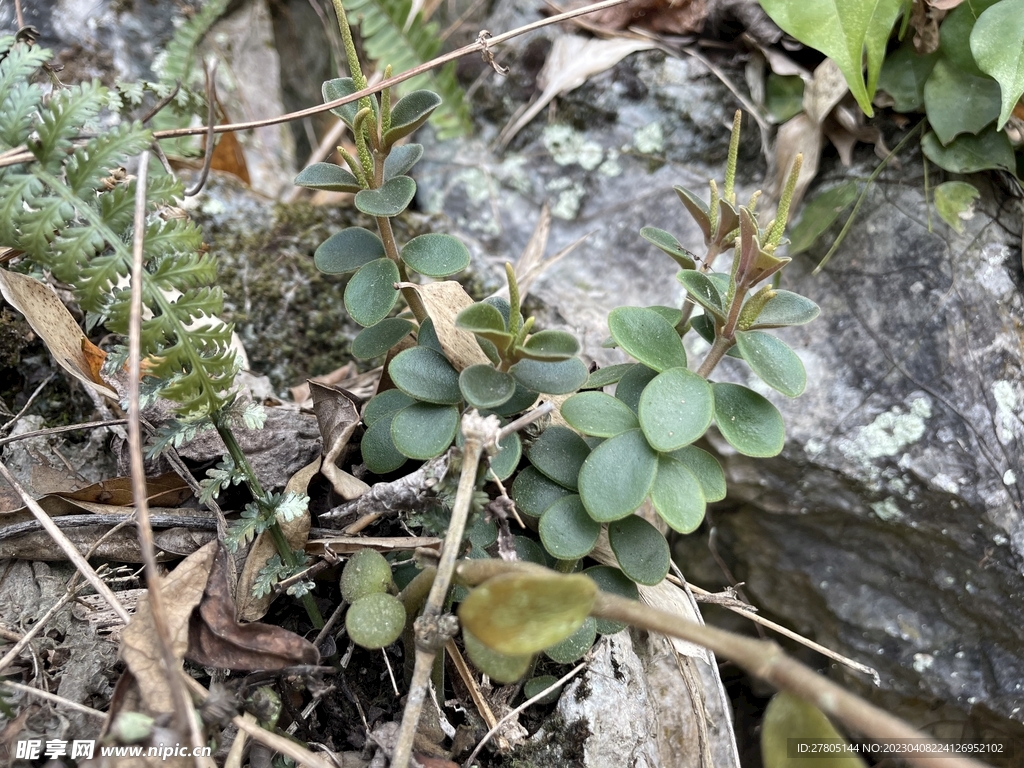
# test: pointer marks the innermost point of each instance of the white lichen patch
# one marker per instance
(890, 432)
(611, 167)
(887, 509)
(992, 272)
(568, 147)
(1009, 477)
(944, 482)
(649, 139)
(1009, 408)
(923, 662)
(570, 198)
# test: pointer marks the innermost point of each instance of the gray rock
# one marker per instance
(891, 525)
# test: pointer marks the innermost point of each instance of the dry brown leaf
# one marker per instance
(296, 532)
(825, 90)
(345, 545)
(443, 301)
(227, 152)
(50, 319)
(572, 61)
(337, 414)
(300, 393)
(667, 17)
(183, 588)
(216, 639)
(925, 19)
(127, 697)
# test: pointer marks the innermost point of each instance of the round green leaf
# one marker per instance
(484, 386)
(668, 243)
(371, 292)
(552, 378)
(348, 250)
(485, 320)
(389, 401)
(436, 255)
(427, 337)
(990, 149)
(705, 468)
(677, 496)
(379, 453)
(378, 339)
(533, 493)
(750, 424)
(482, 533)
(519, 402)
(410, 113)
(529, 551)
(507, 459)
(943, 101)
(390, 200)
(365, 573)
(598, 414)
(786, 308)
(576, 645)
(603, 377)
(641, 550)
(616, 478)
(954, 202)
(424, 374)
(339, 88)
(400, 160)
(329, 177)
(567, 531)
(424, 430)
(671, 314)
(631, 385)
(558, 454)
(772, 359)
(537, 685)
(519, 613)
(498, 666)
(615, 582)
(904, 73)
(648, 337)
(702, 290)
(549, 345)
(999, 52)
(375, 621)
(675, 409)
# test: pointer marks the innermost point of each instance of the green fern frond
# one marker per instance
(390, 37)
(87, 167)
(175, 63)
(67, 112)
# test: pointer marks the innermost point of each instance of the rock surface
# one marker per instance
(891, 525)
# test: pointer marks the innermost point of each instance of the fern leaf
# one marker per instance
(68, 110)
(18, 106)
(17, 188)
(175, 64)
(90, 163)
(20, 63)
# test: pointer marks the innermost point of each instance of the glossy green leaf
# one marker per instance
(567, 531)
(424, 430)
(702, 290)
(400, 160)
(558, 454)
(533, 493)
(606, 376)
(648, 337)
(989, 150)
(615, 582)
(348, 250)
(842, 31)
(631, 385)
(698, 210)
(484, 386)
(788, 717)
(371, 294)
(498, 666)
(375, 621)
(954, 202)
(677, 496)
(521, 613)
(549, 345)
(390, 200)
(552, 378)
(329, 177)
(389, 401)
(903, 76)
(705, 468)
(576, 645)
(507, 459)
(425, 374)
(436, 255)
(537, 685)
(598, 414)
(519, 402)
(783, 97)
(750, 424)
(617, 476)
(675, 409)
(641, 550)
(997, 45)
(378, 339)
(944, 94)
(786, 308)
(819, 214)
(773, 361)
(955, 34)
(379, 453)
(410, 113)
(667, 242)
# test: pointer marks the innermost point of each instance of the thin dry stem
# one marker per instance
(53, 697)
